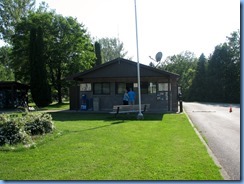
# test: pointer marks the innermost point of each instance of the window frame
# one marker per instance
(102, 90)
(144, 87)
(87, 88)
(117, 88)
(152, 88)
(168, 86)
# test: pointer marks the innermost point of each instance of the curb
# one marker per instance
(222, 170)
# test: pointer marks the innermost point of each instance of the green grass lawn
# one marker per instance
(56, 106)
(99, 147)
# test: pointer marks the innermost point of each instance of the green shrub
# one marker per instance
(12, 130)
(38, 123)
(15, 129)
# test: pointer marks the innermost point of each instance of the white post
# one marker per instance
(140, 115)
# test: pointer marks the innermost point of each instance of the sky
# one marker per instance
(167, 26)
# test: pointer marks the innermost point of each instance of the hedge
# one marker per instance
(15, 129)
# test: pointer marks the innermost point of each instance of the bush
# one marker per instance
(38, 123)
(14, 129)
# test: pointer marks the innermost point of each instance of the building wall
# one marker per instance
(106, 102)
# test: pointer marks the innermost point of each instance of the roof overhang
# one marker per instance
(121, 68)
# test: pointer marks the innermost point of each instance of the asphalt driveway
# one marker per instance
(221, 129)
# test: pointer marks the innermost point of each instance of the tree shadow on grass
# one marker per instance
(110, 120)
(103, 126)
(77, 116)
(97, 127)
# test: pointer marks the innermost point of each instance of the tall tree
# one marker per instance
(72, 51)
(224, 71)
(198, 88)
(67, 48)
(11, 12)
(233, 42)
(98, 54)
(218, 74)
(183, 64)
(6, 72)
(40, 89)
(111, 48)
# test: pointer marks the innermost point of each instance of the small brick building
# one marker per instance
(103, 86)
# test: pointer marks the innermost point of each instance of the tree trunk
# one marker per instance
(59, 85)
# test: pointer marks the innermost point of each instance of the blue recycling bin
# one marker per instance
(83, 103)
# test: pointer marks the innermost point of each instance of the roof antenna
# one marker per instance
(158, 58)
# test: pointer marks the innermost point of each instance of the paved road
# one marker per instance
(221, 129)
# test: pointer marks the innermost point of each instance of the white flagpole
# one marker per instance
(140, 115)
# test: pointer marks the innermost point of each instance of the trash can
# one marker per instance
(96, 104)
(83, 103)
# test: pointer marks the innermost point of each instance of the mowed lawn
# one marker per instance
(100, 147)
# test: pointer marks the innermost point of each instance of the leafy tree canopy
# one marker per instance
(11, 12)
(6, 73)
(67, 47)
(183, 64)
(111, 48)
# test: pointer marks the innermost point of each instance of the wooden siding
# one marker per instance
(125, 71)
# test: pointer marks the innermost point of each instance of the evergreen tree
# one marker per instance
(234, 67)
(98, 54)
(218, 76)
(40, 89)
(198, 88)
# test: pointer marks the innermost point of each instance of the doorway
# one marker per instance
(129, 86)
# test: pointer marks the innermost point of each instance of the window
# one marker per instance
(163, 91)
(85, 87)
(105, 88)
(98, 88)
(120, 88)
(163, 87)
(152, 88)
(144, 87)
(101, 88)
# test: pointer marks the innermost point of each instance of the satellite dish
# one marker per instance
(159, 56)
